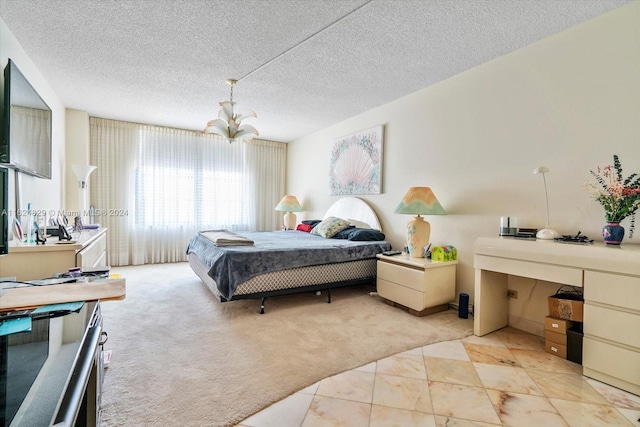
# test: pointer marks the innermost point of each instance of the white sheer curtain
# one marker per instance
(155, 187)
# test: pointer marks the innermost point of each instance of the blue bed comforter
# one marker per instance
(230, 266)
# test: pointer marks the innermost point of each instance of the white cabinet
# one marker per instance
(421, 285)
(611, 325)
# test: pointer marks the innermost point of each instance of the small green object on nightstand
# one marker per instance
(444, 253)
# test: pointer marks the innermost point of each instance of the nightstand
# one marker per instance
(419, 284)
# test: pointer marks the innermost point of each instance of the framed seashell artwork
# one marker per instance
(355, 166)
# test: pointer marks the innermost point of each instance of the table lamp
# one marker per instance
(419, 201)
(546, 233)
(289, 204)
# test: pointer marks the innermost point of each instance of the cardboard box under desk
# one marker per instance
(555, 337)
(556, 349)
(557, 325)
(566, 309)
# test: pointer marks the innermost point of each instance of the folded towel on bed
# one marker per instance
(226, 238)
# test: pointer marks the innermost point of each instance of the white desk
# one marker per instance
(611, 280)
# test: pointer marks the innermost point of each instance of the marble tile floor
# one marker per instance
(502, 379)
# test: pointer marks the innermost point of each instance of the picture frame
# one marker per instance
(355, 165)
(39, 234)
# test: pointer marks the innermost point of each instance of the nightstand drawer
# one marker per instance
(400, 294)
(406, 276)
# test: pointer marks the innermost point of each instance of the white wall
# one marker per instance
(44, 194)
(568, 102)
(77, 152)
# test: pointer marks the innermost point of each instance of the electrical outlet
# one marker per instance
(511, 294)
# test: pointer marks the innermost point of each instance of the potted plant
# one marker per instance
(620, 198)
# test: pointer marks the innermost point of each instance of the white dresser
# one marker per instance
(610, 277)
(34, 262)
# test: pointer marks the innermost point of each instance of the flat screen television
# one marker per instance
(26, 126)
(4, 211)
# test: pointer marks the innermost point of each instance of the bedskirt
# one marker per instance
(299, 278)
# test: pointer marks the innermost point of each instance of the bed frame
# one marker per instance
(306, 279)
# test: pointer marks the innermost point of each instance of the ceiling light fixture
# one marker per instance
(228, 124)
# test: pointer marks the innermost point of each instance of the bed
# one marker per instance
(271, 263)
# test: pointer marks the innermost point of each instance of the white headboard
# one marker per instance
(356, 211)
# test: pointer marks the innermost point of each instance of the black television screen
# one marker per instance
(26, 130)
(4, 211)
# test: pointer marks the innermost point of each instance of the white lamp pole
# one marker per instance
(82, 173)
(546, 233)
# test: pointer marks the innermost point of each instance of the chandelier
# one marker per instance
(228, 124)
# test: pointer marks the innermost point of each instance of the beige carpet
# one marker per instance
(181, 358)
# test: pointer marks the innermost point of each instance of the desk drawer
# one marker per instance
(400, 294)
(612, 289)
(618, 326)
(612, 360)
(403, 275)
(93, 255)
(534, 270)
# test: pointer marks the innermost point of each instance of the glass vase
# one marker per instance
(613, 233)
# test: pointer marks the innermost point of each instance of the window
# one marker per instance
(172, 183)
(184, 197)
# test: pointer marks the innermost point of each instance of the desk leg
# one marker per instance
(490, 307)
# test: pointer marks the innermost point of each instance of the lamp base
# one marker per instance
(418, 234)
(289, 221)
(547, 234)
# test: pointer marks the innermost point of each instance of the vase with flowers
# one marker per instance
(619, 196)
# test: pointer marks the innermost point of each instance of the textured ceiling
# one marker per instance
(302, 65)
